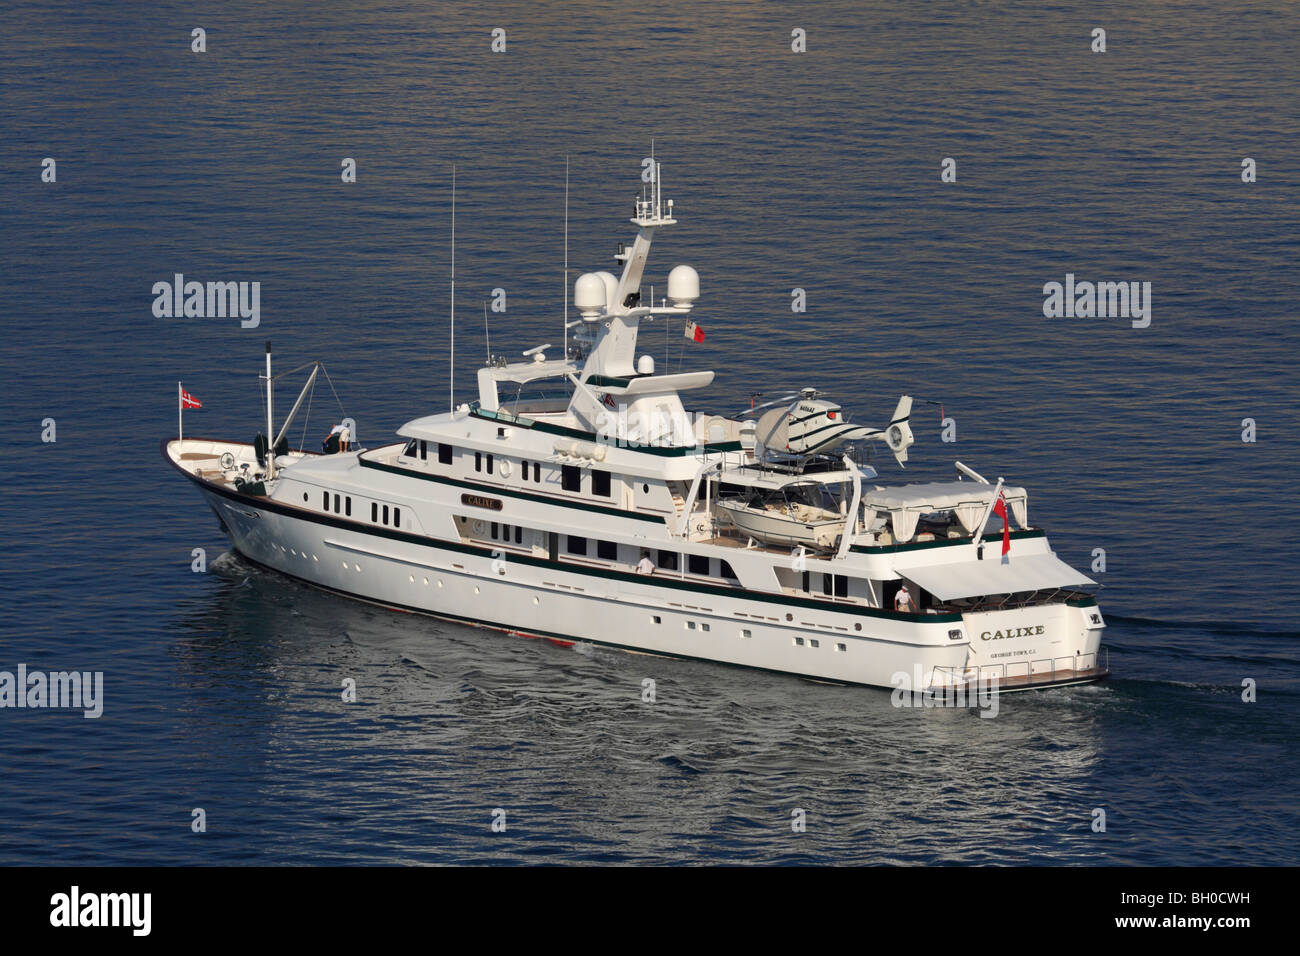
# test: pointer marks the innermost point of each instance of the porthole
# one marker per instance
(477, 590)
(536, 600)
(789, 617)
(426, 582)
(858, 626)
(840, 647)
(745, 632)
(440, 582)
(304, 496)
(411, 578)
(798, 642)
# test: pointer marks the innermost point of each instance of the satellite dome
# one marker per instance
(683, 286)
(589, 295)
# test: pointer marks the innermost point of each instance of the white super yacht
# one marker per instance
(578, 500)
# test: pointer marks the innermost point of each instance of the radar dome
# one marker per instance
(683, 286)
(589, 294)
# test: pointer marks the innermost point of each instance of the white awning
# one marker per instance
(1034, 572)
(968, 500)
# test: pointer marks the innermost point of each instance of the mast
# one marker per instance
(566, 256)
(270, 434)
(451, 378)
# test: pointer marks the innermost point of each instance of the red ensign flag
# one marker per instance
(693, 332)
(1001, 509)
(189, 401)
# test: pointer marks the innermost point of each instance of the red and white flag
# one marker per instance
(1000, 508)
(189, 401)
(693, 332)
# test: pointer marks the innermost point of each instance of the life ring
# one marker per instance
(227, 461)
(504, 468)
(478, 526)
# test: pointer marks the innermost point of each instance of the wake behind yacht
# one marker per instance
(576, 499)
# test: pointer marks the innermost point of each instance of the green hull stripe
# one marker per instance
(511, 493)
(937, 543)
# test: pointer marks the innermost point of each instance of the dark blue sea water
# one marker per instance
(819, 171)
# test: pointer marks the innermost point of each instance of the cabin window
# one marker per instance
(724, 570)
(523, 466)
(337, 506)
(577, 545)
(827, 584)
(478, 461)
(571, 477)
(607, 550)
(374, 511)
(424, 450)
(668, 560)
(697, 564)
(519, 535)
(600, 483)
(397, 517)
(806, 582)
(347, 506)
(841, 586)
(325, 499)
(494, 530)
(489, 464)
(385, 514)
(537, 473)
(444, 453)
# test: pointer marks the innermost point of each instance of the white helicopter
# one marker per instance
(810, 425)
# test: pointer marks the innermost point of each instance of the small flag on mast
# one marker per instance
(693, 332)
(189, 401)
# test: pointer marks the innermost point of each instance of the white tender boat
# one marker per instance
(538, 508)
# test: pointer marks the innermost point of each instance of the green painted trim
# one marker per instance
(607, 381)
(564, 430)
(1081, 602)
(937, 543)
(511, 493)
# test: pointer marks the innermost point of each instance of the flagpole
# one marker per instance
(180, 418)
(979, 535)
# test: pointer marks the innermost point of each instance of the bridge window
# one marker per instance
(607, 550)
(724, 570)
(600, 483)
(424, 450)
(444, 453)
(577, 545)
(697, 564)
(571, 477)
(668, 560)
